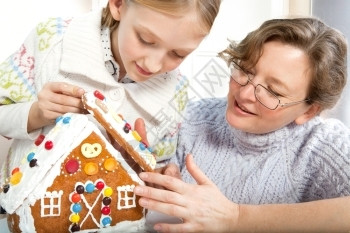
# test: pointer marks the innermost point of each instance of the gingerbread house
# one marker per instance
(72, 179)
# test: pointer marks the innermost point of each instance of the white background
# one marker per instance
(235, 20)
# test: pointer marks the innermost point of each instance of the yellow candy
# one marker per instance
(16, 178)
(110, 164)
(136, 135)
(108, 192)
(74, 218)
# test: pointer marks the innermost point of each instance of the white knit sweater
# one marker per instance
(294, 164)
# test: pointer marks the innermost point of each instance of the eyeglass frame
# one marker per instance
(249, 80)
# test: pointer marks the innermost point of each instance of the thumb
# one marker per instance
(141, 130)
(195, 172)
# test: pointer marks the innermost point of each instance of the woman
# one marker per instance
(266, 142)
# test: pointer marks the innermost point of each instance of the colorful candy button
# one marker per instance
(80, 189)
(90, 187)
(75, 227)
(48, 145)
(106, 200)
(74, 218)
(106, 210)
(99, 95)
(71, 166)
(136, 135)
(66, 120)
(30, 156)
(76, 208)
(15, 170)
(33, 163)
(106, 221)
(110, 164)
(91, 168)
(39, 139)
(16, 178)
(100, 185)
(108, 192)
(75, 198)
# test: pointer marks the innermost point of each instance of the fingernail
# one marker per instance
(143, 175)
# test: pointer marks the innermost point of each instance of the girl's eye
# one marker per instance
(178, 55)
(144, 41)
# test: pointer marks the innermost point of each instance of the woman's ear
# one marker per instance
(115, 6)
(312, 111)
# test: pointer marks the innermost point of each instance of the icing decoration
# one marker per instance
(16, 178)
(127, 197)
(110, 164)
(91, 150)
(91, 168)
(48, 145)
(51, 204)
(72, 166)
(39, 140)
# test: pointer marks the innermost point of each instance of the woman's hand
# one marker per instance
(202, 206)
(54, 100)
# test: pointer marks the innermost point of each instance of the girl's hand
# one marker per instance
(202, 206)
(54, 100)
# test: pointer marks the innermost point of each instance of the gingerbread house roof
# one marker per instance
(42, 162)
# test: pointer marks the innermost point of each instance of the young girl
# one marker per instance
(265, 143)
(129, 51)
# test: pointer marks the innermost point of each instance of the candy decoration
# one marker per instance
(100, 185)
(75, 198)
(106, 210)
(30, 156)
(90, 187)
(106, 221)
(106, 200)
(48, 145)
(80, 189)
(110, 164)
(136, 135)
(58, 119)
(74, 218)
(75, 227)
(39, 139)
(99, 95)
(15, 170)
(127, 128)
(6, 188)
(108, 192)
(71, 166)
(66, 120)
(91, 150)
(142, 146)
(16, 178)
(33, 163)
(91, 168)
(76, 208)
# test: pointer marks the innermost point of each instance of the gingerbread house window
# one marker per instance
(127, 197)
(51, 204)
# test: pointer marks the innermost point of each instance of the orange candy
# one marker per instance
(91, 168)
(110, 164)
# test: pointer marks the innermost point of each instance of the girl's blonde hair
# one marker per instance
(207, 10)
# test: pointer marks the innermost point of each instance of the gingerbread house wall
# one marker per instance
(91, 203)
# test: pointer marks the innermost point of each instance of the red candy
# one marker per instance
(48, 145)
(100, 185)
(99, 95)
(76, 198)
(106, 210)
(72, 166)
(39, 140)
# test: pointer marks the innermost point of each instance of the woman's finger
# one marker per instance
(195, 172)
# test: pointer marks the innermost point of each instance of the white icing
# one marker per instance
(123, 194)
(54, 206)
